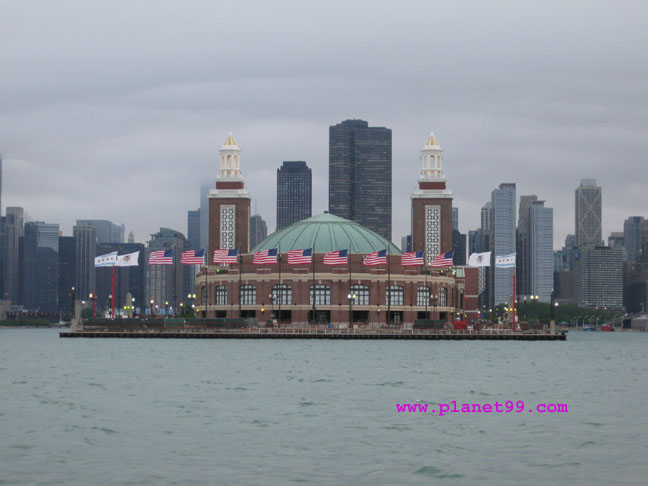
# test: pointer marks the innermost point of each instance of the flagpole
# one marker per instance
(428, 293)
(513, 326)
(240, 278)
(206, 291)
(313, 286)
(280, 288)
(388, 285)
(113, 292)
(350, 293)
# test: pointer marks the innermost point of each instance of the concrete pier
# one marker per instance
(429, 335)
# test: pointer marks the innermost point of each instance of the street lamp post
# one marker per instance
(93, 298)
(110, 297)
(152, 308)
(352, 298)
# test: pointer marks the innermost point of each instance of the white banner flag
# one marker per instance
(505, 261)
(129, 260)
(107, 260)
(479, 259)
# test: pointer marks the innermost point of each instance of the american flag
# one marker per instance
(193, 257)
(225, 256)
(337, 257)
(443, 260)
(295, 257)
(161, 257)
(265, 257)
(412, 258)
(375, 258)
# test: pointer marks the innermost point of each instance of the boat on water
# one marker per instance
(588, 327)
(607, 328)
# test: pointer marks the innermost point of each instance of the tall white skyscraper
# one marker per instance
(503, 242)
(541, 250)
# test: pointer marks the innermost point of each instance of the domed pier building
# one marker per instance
(348, 291)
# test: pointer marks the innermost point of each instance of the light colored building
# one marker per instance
(504, 241)
(541, 261)
(588, 213)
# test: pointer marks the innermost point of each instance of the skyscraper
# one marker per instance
(107, 231)
(167, 282)
(40, 266)
(523, 263)
(258, 230)
(13, 230)
(294, 193)
(632, 231)
(85, 237)
(193, 229)
(541, 250)
(598, 277)
(503, 242)
(588, 213)
(360, 174)
(67, 273)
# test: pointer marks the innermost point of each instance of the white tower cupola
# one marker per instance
(230, 157)
(432, 161)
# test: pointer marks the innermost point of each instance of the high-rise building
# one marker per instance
(406, 243)
(432, 205)
(193, 229)
(598, 277)
(588, 214)
(167, 282)
(13, 230)
(360, 174)
(258, 230)
(455, 219)
(229, 203)
(85, 237)
(632, 232)
(523, 261)
(617, 240)
(459, 248)
(294, 193)
(131, 237)
(107, 231)
(541, 264)
(503, 242)
(459, 245)
(40, 266)
(67, 257)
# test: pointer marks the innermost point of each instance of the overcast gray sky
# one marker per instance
(116, 110)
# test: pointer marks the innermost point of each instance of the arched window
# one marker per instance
(248, 295)
(321, 293)
(221, 295)
(229, 161)
(443, 297)
(423, 296)
(362, 294)
(282, 293)
(395, 295)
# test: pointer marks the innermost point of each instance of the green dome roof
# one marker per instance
(325, 233)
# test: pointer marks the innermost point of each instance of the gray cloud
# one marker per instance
(117, 110)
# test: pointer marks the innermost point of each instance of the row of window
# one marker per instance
(321, 295)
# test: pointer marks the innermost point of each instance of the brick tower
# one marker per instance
(229, 204)
(432, 205)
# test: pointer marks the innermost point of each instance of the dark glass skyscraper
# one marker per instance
(40, 267)
(294, 193)
(360, 174)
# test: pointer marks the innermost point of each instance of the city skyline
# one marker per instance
(134, 141)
